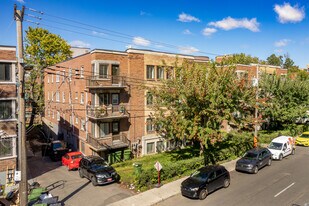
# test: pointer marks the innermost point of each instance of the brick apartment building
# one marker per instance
(8, 117)
(96, 104)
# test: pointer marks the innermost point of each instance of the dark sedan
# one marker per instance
(97, 170)
(204, 181)
(253, 160)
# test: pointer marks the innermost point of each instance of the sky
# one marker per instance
(197, 27)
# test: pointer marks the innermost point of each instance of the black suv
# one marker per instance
(205, 180)
(253, 160)
(97, 170)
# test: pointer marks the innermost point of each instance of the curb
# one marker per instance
(156, 195)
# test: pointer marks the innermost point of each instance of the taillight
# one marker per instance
(72, 161)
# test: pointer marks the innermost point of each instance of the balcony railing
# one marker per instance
(105, 112)
(108, 142)
(108, 81)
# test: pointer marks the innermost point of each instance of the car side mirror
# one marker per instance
(260, 158)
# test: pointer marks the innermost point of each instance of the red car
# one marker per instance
(72, 159)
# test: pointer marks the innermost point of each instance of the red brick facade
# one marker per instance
(8, 117)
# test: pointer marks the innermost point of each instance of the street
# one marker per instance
(284, 183)
(75, 191)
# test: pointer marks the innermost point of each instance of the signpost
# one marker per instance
(158, 167)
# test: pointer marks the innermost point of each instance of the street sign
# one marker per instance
(158, 166)
(17, 176)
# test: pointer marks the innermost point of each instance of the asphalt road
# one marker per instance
(284, 183)
(75, 191)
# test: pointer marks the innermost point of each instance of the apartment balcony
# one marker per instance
(108, 142)
(106, 82)
(107, 112)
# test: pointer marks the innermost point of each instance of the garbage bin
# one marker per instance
(137, 168)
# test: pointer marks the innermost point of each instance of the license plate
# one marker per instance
(109, 179)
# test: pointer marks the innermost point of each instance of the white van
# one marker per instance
(282, 146)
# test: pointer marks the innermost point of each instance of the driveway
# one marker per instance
(74, 191)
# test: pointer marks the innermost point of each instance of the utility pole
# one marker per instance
(23, 185)
(255, 140)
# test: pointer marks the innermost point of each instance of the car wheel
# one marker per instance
(94, 181)
(203, 194)
(269, 162)
(80, 174)
(280, 157)
(226, 183)
(256, 170)
(293, 151)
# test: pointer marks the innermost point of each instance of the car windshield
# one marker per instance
(304, 135)
(275, 145)
(199, 175)
(99, 164)
(77, 156)
(57, 145)
(250, 156)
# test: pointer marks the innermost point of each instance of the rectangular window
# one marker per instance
(63, 96)
(93, 74)
(115, 99)
(6, 147)
(70, 74)
(170, 73)
(149, 98)
(103, 71)
(57, 96)
(6, 109)
(63, 76)
(104, 98)
(53, 114)
(48, 78)
(76, 95)
(150, 72)
(104, 129)
(160, 73)
(160, 146)
(5, 72)
(82, 72)
(58, 77)
(150, 148)
(52, 78)
(76, 72)
(63, 118)
(82, 125)
(149, 125)
(58, 116)
(115, 127)
(52, 96)
(82, 97)
(76, 120)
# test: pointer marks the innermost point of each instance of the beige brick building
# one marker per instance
(8, 116)
(96, 103)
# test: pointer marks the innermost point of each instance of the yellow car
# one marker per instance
(303, 139)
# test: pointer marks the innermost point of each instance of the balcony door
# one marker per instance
(115, 128)
(115, 74)
(104, 99)
(104, 129)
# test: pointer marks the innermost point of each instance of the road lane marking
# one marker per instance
(284, 189)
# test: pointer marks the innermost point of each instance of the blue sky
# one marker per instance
(256, 27)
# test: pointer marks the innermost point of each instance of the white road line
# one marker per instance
(284, 189)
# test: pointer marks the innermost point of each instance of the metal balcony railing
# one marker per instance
(110, 111)
(108, 142)
(101, 81)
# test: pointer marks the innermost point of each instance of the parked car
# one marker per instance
(72, 159)
(303, 139)
(204, 181)
(282, 146)
(55, 150)
(253, 160)
(97, 170)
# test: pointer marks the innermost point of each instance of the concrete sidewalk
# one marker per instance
(157, 195)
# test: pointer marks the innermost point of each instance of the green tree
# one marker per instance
(195, 103)
(240, 59)
(288, 63)
(285, 99)
(275, 60)
(42, 49)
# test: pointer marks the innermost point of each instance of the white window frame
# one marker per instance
(82, 125)
(76, 120)
(82, 72)
(63, 97)
(58, 76)
(82, 96)
(52, 96)
(52, 78)
(76, 95)
(58, 116)
(57, 96)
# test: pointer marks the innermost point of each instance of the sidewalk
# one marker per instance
(157, 195)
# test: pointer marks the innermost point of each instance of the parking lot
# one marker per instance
(74, 191)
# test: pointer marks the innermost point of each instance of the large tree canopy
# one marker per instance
(195, 103)
(42, 49)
